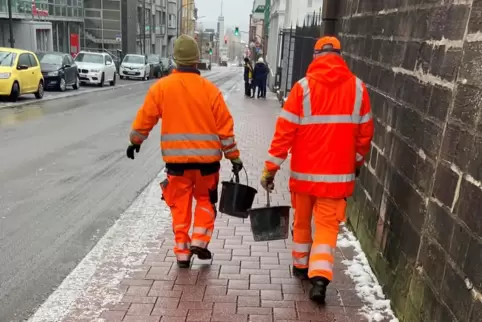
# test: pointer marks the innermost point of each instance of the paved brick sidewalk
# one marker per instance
(245, 281)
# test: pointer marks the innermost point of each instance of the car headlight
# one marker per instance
(95, 70)
(56, 73)
(5, 75)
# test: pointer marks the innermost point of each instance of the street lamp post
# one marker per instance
(10, 23)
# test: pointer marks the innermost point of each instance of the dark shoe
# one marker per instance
(201, 253)
(301, 273)
(318, 290)
(183, 264)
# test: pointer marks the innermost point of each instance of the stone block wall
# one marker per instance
(418, 204)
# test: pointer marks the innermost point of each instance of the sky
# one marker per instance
(236, 13)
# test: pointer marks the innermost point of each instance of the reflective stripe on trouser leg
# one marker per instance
(328, 214)
(302, 239)
(205, 212)
(181, 210)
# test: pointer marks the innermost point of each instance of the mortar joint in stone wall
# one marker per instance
(415, 7)
(426, 78)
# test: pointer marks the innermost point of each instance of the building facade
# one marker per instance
(43, 25)
(189, 16)
(139, 26)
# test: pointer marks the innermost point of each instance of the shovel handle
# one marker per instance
(267, 198)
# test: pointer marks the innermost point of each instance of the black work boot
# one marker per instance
(202, 253)
(301, 273)
(184, 264)
(318, 290)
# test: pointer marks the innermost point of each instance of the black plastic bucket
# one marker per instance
(236, 199)
(270, 223)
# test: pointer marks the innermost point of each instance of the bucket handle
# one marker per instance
(236, 177)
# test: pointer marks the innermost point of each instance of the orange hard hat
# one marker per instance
(324, 41)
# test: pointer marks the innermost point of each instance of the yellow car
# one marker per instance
(20, 74)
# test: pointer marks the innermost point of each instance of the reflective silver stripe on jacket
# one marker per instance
(309, 119)
(191, 152)
(227, 142)
(323, 178)
(138, 135)
(290, 117)
(188, 137)
(233, 149)
(275, 160)
(359, 157)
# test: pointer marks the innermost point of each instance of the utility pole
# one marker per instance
(10, 24)
(144, 27)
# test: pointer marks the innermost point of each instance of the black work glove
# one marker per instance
(237, 165)
(130, 150)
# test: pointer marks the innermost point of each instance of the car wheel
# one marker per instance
(113, 81)
(15, 93)
(62, 84)
(102, 81)
(77, 83)
(40, 91)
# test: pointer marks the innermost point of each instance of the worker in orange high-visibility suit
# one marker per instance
(196, 130)
(327, 123)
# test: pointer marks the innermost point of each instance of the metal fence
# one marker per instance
(296, 53)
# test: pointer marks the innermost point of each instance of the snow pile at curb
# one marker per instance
(376, 307)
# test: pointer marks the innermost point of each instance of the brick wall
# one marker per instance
(418, 205)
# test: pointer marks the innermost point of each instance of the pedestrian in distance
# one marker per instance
(248, 77)
(260, 76)
(196, 131)
(327, 124)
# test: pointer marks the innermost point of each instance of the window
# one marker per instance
(7, 58)
(33, 61)
(51, 59)
(23, 60)
(65, 61)
(89, 58)
(108, 59)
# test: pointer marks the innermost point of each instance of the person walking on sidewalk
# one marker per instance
(327, 124)
(248, 77)
(195, 132)
(260, 76)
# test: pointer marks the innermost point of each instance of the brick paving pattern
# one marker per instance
(245, 280)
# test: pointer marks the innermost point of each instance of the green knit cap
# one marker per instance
(186, 51)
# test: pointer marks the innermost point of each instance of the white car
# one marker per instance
(96, 68)
(135, 66)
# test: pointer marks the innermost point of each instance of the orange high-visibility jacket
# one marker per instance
(327, 123)
(197, 126)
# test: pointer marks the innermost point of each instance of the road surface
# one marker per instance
(65, 180)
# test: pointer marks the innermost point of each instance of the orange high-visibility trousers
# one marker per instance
(316, 253)
(178, 192)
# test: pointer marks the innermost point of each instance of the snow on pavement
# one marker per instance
(376, 307)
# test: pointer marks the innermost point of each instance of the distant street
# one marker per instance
(65, 180)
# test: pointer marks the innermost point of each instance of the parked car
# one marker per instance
(168, 65)
(59, 71)
(135, 66)
(20, 74)
(156, 65)
(96, 68)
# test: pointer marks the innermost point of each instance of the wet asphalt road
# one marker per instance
(64, 181)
